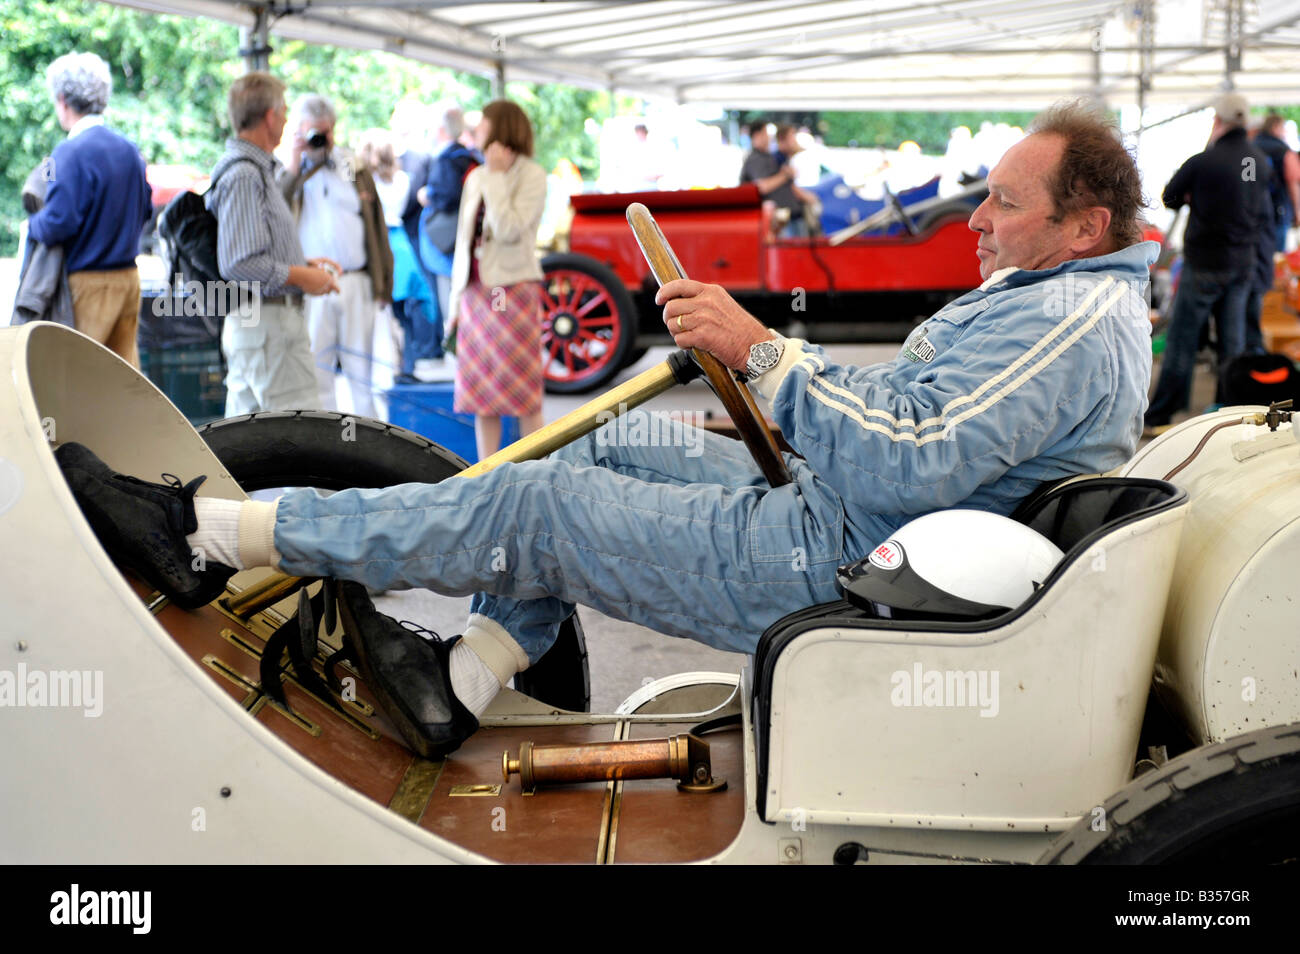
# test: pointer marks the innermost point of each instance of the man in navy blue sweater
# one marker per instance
(98, 201)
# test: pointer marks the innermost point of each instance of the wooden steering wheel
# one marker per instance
(734, 395)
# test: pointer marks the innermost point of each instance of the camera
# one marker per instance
(317, 139)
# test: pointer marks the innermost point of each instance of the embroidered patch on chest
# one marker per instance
(921, 350)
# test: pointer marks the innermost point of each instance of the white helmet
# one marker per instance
(965, 563)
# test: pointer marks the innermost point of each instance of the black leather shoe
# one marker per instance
(409, 675)
(143, 526)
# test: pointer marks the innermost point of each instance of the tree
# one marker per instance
(171, 74)
(169, 80)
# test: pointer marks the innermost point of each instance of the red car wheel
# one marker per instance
(588, 324)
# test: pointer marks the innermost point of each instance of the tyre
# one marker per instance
(589, 324)
(1236, 801)
(307, 449)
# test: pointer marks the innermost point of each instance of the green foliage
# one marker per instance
(885, 130)
(561, 116)
(171, 74)
(169, 80)
(364, 86)
(888, 129)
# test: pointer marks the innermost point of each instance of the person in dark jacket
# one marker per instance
(1285, 192)
(1227, 190)
(441, 199)
(421, 328)
(98, 202)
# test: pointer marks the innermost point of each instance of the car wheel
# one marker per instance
(589, 324)
(305, 449)
(1237, 801)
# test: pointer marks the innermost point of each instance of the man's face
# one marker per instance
(276, 119)
(760, 140)
(1014, 221)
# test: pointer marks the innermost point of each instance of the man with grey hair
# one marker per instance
(268, 358)
(441, 199)
(332, 196)
(97, 203)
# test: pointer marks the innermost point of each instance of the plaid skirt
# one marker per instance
(499, 350)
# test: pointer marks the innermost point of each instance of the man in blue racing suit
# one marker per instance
(1038, 374)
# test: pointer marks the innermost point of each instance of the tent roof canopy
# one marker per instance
(829, 54)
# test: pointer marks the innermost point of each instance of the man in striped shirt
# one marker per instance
(268, 352)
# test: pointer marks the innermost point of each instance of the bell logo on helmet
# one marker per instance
(887, 556)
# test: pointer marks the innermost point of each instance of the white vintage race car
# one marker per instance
(147, 733)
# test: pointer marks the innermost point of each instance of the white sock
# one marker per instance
(484, 660)
(473, 681)
(217, 536)
(238, 533)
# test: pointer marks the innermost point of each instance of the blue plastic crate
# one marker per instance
(427, 410)
(192, 377)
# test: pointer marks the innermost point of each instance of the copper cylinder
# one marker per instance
(682, 757)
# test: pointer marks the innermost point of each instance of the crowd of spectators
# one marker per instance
(332, 246)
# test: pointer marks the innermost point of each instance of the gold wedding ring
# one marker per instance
(680, 328)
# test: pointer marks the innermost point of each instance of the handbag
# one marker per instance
(441, 229)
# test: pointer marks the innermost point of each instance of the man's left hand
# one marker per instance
(706, 317)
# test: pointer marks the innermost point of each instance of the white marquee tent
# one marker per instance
(831, 54)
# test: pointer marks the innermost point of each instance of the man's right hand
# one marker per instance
(295, 155)
(313, 280)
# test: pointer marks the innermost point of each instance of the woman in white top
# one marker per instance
(496, 280)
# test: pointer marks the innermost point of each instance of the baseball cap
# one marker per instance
(1232, 108)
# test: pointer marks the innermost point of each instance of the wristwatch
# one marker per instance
(764, 356)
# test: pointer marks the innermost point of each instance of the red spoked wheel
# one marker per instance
(589, 324)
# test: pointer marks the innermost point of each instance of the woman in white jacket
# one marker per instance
(495, 286)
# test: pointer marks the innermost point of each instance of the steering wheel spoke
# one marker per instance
(735, 396)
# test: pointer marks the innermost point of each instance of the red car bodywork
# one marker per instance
(599, 311)
(721, 236)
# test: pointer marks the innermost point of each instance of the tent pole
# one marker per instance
(255, 46)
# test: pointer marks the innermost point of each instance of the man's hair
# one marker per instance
(453, 122)
(315, 107)
(510, 126)
(83, 80)
(250, 97)
(1272, 122)
(783, 130)
(757, 126)
(1095, 169)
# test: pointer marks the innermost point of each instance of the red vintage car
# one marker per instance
(600, 295)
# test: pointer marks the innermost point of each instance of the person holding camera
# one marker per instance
(333, 198)
(268, 358)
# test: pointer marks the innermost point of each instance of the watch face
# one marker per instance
(764, 356)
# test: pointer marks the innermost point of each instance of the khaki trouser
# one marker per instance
(268, 361)
(342, 331)
(106, 307)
